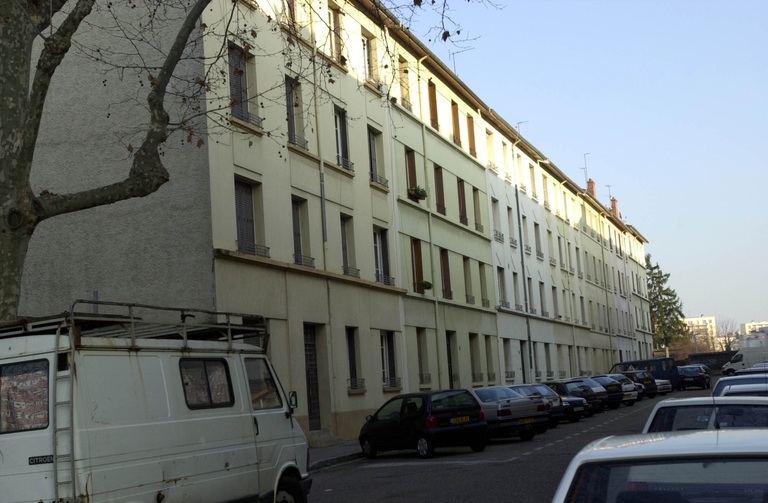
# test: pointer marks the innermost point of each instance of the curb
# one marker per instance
(325, 463)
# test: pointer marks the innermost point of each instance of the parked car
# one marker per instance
(614, 390)
(640, 390)
(745, 358)
(424, 421)
(628, 387)
(579, 390)
(693, 376)
(685, 467)
(734, 380)
(660, 368)
(509, 413)
(751, 370)
(708, 413)
(600, 391)
(758, 389)
(663, 386)
(555, 402)
(703, 367)
(646, 379)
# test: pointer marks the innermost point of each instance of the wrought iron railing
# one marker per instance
(383, 278)
(509, 374)
(477, 377)
(380, 180)
(479, 227)
(351, 271)
(539, 254)
(504, 304)
(491, 376)
(303, 260)
(519, 307)
(498, 236)
(425, 378)
(470, 299)
(486, 302)
(297, 140)
(355, 384)
(513, 242)
(528, 249)
(391, 382)
(248, 117)
(345, 163)
(253, 249)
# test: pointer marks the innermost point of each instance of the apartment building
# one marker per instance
(394, 231)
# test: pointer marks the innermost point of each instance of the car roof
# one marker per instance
(713, 400)
(752, 377)
(757, 386)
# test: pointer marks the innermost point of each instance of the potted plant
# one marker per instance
(426, 285)
(417, 192)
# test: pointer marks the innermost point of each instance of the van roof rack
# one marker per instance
(144, 321)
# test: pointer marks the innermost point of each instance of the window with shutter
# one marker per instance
(462, 203)
(432, 91)
(418, 272)
(296, 206)
(445, 271)
(246, 237)
(439, 191)
(238, 83)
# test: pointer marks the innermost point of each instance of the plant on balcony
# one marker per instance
(426, 285)
(418, 192)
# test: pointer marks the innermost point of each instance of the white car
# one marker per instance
(708, 413)
(663, 386)
(756, 389)
(677, 467)
(717, 390)
(628, 387)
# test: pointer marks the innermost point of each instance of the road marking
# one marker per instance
(437, 463)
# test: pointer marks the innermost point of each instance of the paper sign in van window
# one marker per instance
(206, 383)
(24, 396)
(263, 389)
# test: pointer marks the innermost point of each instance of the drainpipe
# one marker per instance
(525, 287)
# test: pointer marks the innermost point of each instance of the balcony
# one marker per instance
(589, 277)
(532, 310)
(513, 242)
(297, 140)
(581, 275)
(304, 260)
(379, 180)
(463, 219)
(406, 104)
(356, 385)
(351, 271)
(508, 177)
(571, 270)
(345, 163)
(248, 117)
(553, 261)
(522, 188)
(534, 195)
(528, 249)
(486, 302)
(477, 377)
(547, 206)
(447, 294)
(253, 249)
(470, 299)
(509, 374)
(440, 208)
(493, 167)
(563, 266)
(550, 374)
(539, 254)
(504, 304)
(392, 382)
(498, 236)
(425, 379)
(545, 314)
(518, 307)
(384, 279)
(561, 374)
(479, 227)
(537, 374)
(491, 377)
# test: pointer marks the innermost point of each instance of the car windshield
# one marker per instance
(446, 400)
(690, 371)
(577, 387)
(544, 390)
(494, 394)
(703, 417)
(714, 479)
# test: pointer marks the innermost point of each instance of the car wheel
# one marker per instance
(629, 403)
(289, 491)
(589, 413)
(614, 406)
(574, 419)
(369, 451)
(527, 435)
(425, 447)
(652, 396)
(479, 445)
(541, 429)
(554, 423)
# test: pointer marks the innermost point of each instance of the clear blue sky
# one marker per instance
(670, 98)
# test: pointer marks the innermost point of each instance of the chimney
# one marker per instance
(591, 188)
(615, 207)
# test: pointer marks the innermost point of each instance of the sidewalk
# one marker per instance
(323, 457)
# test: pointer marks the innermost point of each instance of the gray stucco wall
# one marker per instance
(155, 250)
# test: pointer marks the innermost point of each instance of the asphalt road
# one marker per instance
(508, 470)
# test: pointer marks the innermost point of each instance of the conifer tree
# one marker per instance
(666, 308)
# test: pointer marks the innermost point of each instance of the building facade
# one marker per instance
(396, 233)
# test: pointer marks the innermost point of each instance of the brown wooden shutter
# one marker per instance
(410, 161)
(246, 237)
(418, 272)
(440, 193)
(471, 135)
(433, 105)
(238, 83)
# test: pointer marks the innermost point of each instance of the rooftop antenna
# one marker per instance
(452, 56)
(586, 176)
(609, 192)
(518, 126)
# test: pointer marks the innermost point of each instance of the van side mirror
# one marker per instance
(293, 401)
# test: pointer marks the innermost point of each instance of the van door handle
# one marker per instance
(255, 425)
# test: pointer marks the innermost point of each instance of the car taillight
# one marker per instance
(504, 412)
(482, 416)
(542, 407)
(559, 401)
(431, 422)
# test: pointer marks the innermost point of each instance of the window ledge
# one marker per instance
(304, 153)
(352, 392)
(245, 125)
(336, 167)
(378, 187)
(392, 389)
(372, 86)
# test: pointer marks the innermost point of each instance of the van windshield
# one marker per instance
(24, 396)
(737, 358)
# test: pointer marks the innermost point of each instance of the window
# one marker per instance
(531, 308)
(520, 172)
(505, 159)
(497, 234)
(511, 226)
(264, 394)
(474, 358)
(206, 383)
(342, 140)
(292, 12)
(369, 63)
(353, 359)
(583, 310)
(555, 304)
(483, 286)
(421, 355)
(388, 370)
(491, 151)
(432, 92)
(334, 23)
(445, 274)
(516, 290)
(240, 87)
(537, 238)
(416, 266)
(439, 191)
(381, 257)
(543, 299)
(405, 85)
(410, 172)
(455, 122)
(462, 202)
(293, 109)
(471, 135)
(301, 234)
(545, 188)
(248, 201)
(533, 181)
(476, 205)
(24, 393)
(374, 160)
(502, 287)
(348, 247)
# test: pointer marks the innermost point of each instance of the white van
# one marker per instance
(112, 407)
(745, 358)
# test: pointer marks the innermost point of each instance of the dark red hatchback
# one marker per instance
(423, 421)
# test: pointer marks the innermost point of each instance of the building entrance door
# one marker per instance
(313, 389)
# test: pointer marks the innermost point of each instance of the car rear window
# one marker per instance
(446, 400)
(24, 396)
(544, 390)
(493, 394)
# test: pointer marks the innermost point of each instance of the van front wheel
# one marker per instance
(289, 491)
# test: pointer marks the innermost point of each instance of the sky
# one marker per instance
(670, 100)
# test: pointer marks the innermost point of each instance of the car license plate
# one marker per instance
(459, 420)
(527, 420)
(689, 379)
(627, 396)
(578, 409)
(647, 382)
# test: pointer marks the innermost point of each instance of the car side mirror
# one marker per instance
(293, 401)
